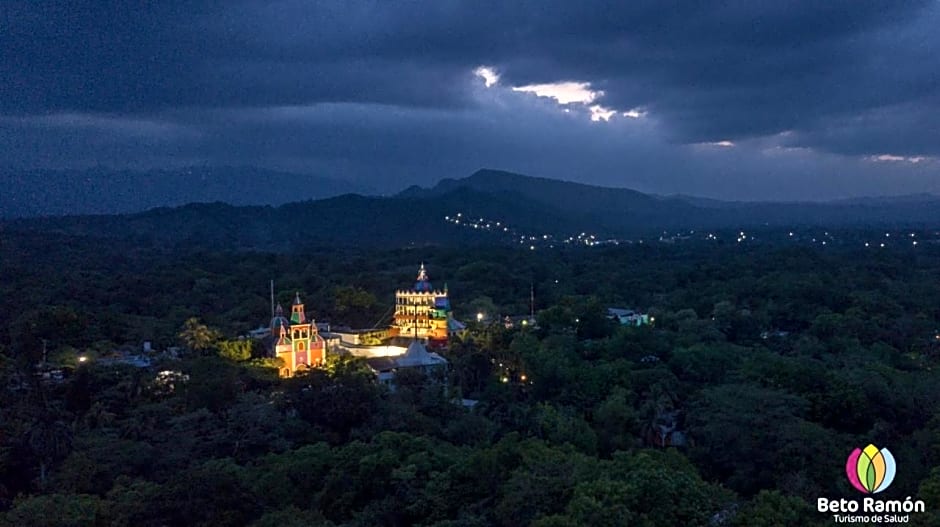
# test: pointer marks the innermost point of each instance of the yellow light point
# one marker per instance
(522, 377)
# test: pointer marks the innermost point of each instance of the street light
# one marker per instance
(479, 317)
(82, 359)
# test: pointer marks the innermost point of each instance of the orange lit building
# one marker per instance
(422, 312)
(296, 340)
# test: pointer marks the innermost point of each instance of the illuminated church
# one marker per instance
(423, 313)
(296, 341)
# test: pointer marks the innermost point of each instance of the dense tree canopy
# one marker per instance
(763, 368)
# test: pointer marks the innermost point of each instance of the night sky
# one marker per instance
(750, 99)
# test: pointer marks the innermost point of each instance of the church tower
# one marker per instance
(422, 312)
(299, 344)
(297, 315)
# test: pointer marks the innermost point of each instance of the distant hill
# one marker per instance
(624, 211)
(106, 191)
(350, 219)
(566, 196)
(416, 216)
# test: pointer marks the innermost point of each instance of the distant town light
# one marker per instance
(82, 358)
(479, 317)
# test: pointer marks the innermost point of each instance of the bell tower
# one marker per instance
(297, 315)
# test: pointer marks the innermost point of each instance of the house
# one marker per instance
(628, 317)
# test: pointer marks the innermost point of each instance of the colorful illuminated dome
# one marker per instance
(423, 285)
(279, 321)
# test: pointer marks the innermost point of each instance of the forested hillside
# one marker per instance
(764, 367)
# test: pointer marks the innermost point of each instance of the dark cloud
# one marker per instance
(383, 92)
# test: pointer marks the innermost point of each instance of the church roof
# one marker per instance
(381, 363)
(278, 320)
(417, 355)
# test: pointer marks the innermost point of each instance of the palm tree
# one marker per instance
(197, 336)
(50, 439)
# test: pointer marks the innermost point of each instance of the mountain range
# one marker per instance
(105, 191)
(416, 216)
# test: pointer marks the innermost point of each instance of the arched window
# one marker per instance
(300, 346)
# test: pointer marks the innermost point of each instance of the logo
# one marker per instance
(870, 470)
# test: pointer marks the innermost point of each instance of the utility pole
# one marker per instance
(532, 300)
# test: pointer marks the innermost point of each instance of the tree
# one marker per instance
(197, 336)
(356, 306)
(56, 510)
(773, 509)
(235, 350)
(616, 422)
(50, 440)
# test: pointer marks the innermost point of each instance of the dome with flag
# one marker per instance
(423, 285)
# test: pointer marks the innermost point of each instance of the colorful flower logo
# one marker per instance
(870, 470)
